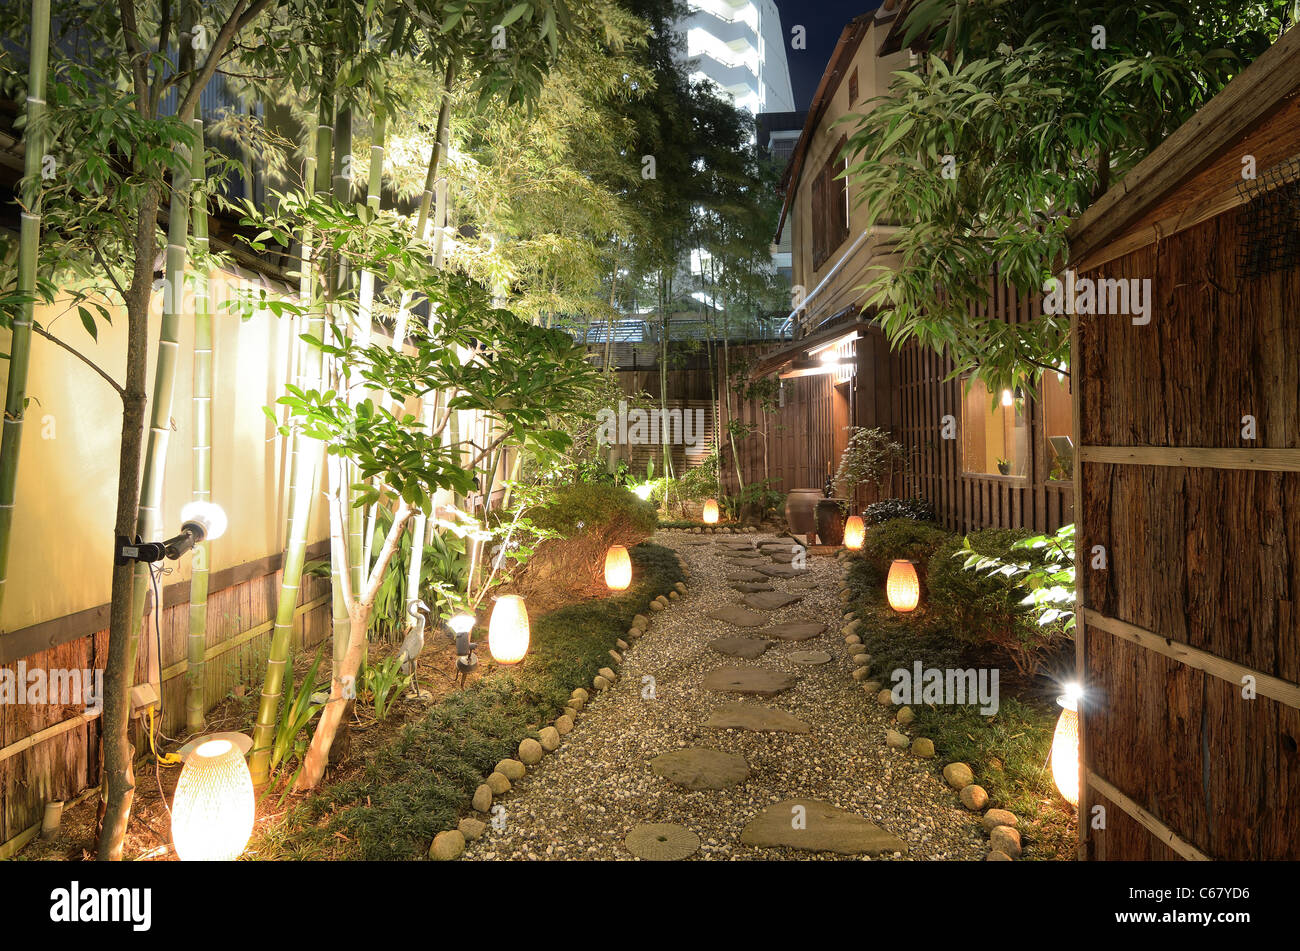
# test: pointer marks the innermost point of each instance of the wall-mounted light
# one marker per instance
(508, 630)
(1065, 745)
(212, 812)
(855, 532)
(1008, 397)
(711, 511)
(618, 568)
(200, 522)
(903, 587)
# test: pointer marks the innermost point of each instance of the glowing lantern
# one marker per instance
(212, 813)
(508, 630)
(711, 511)
(902, 587)
(1065, 745)
(855, 533)
(618, 568)
(1008, 398)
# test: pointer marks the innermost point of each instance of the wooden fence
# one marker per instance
(1189, 630)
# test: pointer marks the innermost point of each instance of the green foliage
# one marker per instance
(985, 149)
(919, 509)
(421, 783)
(297, 710)
(871, 458)
(982, 598)
(568, 510)
(762, 498)
(381, 682)
(1042, 564)
(902, 538)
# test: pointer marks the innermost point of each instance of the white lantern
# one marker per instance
(508, 630)
(855, 533)
(618, 568)
(212, 812)
(711, 511)
(903, 587)
(1065, 745)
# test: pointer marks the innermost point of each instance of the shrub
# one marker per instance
(871, 458)
(877, 513)
(902, 538)
(988, 607)
(585, 519)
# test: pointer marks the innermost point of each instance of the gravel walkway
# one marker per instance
(583, 800)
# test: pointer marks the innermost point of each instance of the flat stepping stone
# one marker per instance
(662, 842)
(746, 647)
(699, 768)
(733, 543)
(749, 587)
(814, 826)
(696, 541)
(779, 571)
(771, 600)
(739, 616)
(750, 680)
(795, 630)
(811, 658)
(746, 576)
(755, 718)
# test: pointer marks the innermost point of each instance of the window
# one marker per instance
(853, 87)
(830, 207)
(995, 431)
(1058, 426)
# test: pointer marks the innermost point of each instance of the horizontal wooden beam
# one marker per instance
(1186, 457)
(40, 736)
(216, 650)
(1266, 685)
(1153, 825)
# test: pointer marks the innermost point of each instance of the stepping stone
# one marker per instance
(749, 587)
(696, 541)
(746, 576)
(746, 647)
(699, 768)
(786, 557)
(771, 600)
(662, 842)
(795, 630)
(824, 829)
(735, 614)
(753, 680)
(754, 717)
(810, 657)
(779, 571)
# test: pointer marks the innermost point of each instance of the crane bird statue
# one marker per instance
(413, 643)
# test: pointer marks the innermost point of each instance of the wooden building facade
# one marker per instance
(1189, 538)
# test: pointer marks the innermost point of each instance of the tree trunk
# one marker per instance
(305, 475)
(202, 443)
(28, 251)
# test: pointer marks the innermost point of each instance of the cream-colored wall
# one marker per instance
(61, 554)
(842, 291)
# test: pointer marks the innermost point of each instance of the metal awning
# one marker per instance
(801, 355)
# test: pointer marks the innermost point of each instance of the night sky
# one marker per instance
(825, 20)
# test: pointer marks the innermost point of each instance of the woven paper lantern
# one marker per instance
(855, 533)
(711, 511)
(508, 630)
(1065, 746)
(902, 587)
(618, 568)
(212, 813)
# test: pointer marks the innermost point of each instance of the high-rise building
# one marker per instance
(739, 45)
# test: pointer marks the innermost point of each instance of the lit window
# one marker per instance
(995, 431)
(1058, 426)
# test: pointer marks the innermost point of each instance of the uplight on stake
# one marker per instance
(903, 587)
(618, 568)
(711, 512)
(508, 630)
(212, 812)
(1065, 745)
(855, 532)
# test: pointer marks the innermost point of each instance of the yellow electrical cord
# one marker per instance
(171, 759)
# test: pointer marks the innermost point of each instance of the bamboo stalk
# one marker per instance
(28, 251)
(306, 473)
(202, 444)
